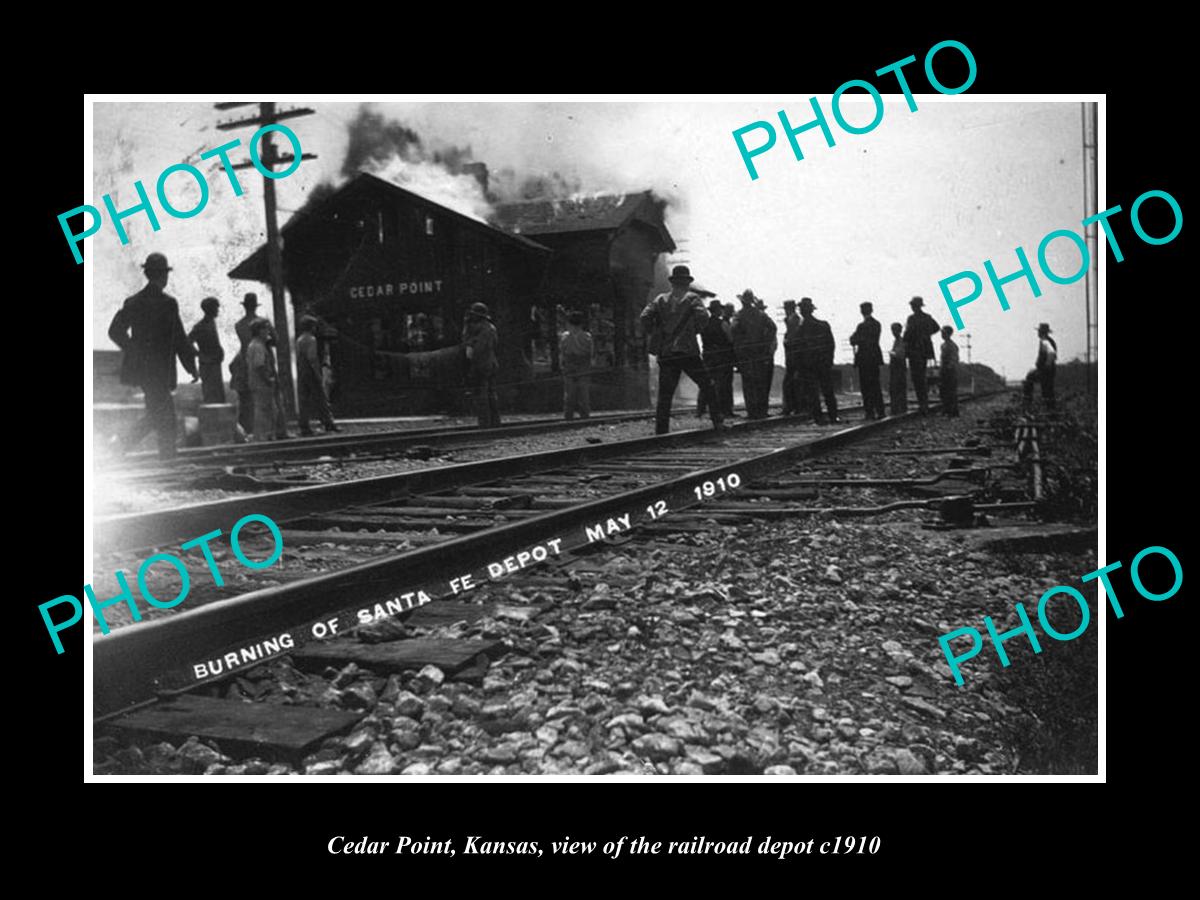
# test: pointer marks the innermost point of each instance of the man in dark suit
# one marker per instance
(754, 342)
(718, 357)
(210, 352)
(482, 340)
(815, 348)
(918, 343)
(150, 333)
(868, 358)
(791, 383)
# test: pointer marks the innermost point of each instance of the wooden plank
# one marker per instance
(781, 494)
(446, 611)
(238, 728)
(1049, 537)
(397, 656)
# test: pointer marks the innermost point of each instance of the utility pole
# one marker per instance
(1091, 276)
(268, 158)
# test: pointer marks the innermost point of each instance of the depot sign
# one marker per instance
(399, 288)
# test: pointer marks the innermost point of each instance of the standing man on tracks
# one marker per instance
(210, 352)
(150, 334)
(672, 322)
(815, 349)
(1044, 369)
(575, 350)
(897, 379)
(263, 377)
(310, 385)
(718, 357)
(868, 358)
(791, 377)
(754, 342)
(239, 374)
(918, 343)
(480, 338)
(948, 385)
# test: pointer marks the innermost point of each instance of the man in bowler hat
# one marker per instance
(918, 344)
(150, 334)
(815, 349)
(868, 358)
(673, 322)
(754, 343)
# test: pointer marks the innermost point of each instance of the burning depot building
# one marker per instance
(390, 274)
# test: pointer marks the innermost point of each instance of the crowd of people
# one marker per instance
(710, 344)
(150, 333)
(707, 343)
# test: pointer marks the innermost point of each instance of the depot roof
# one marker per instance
(307, 221)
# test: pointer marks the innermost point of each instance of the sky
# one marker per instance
(881, 217)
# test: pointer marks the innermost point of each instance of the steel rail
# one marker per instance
(313, 447)
(135, 663)
(163, 527)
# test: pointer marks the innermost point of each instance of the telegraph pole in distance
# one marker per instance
(1092, 274)
(268, 158)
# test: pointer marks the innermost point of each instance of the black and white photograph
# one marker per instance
(576, 436)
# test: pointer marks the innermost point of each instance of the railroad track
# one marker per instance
(490, 524)
(307, 449)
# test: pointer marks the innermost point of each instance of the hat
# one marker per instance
(806, 303)
(787, 303)
(867, 306)
(715, 304)
(209, 303)
(1044, 326)
(747, 294)
(480, 310)
(681, 274)
(307, 321)
(250, 301)
(916, 301)
(156, 262)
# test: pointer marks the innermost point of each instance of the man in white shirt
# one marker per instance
(1043, 370)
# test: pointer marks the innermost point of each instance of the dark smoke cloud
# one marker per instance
(375, 139)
